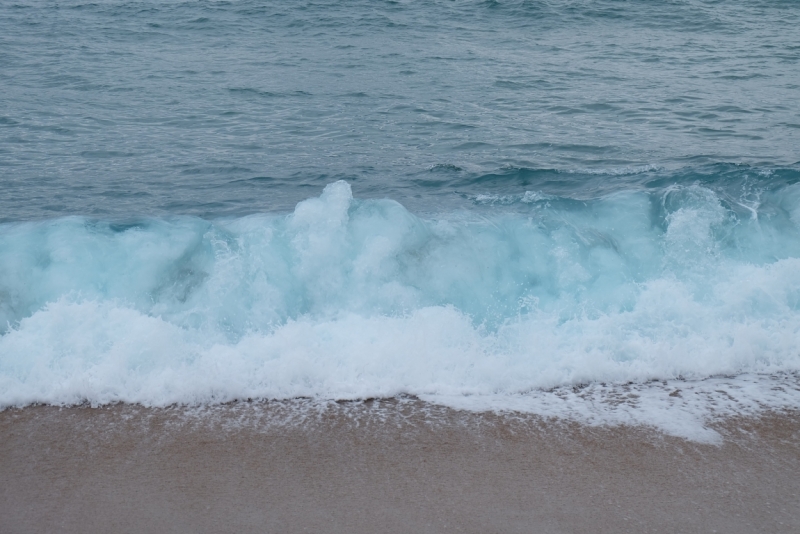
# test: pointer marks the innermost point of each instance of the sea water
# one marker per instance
(585, 209)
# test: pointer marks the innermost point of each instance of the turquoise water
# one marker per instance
(206, 201)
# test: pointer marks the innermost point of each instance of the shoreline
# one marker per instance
(396, 465)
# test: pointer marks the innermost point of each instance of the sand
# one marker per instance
(385, 466)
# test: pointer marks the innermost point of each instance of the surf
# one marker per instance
(350, 299)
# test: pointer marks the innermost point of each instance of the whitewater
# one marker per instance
(553, 308)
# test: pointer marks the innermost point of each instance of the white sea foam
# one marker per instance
(345, 300)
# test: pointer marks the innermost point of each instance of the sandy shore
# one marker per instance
(384, 466)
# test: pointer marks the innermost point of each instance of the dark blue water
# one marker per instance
(118, 109)
(468, 201)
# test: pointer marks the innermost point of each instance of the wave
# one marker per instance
(732, 181)
(351, 299)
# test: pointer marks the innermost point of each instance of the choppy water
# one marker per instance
(518, 195)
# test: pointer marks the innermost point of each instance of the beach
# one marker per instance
(385, 466)
(476, 266)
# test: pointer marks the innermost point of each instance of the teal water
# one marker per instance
(208, 201)
(118, 109)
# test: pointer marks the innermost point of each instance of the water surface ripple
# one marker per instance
(117, 108)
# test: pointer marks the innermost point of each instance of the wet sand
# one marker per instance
(388, 466)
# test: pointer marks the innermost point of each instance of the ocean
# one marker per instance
(586, 209)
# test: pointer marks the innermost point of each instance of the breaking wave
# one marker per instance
(349, 299)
